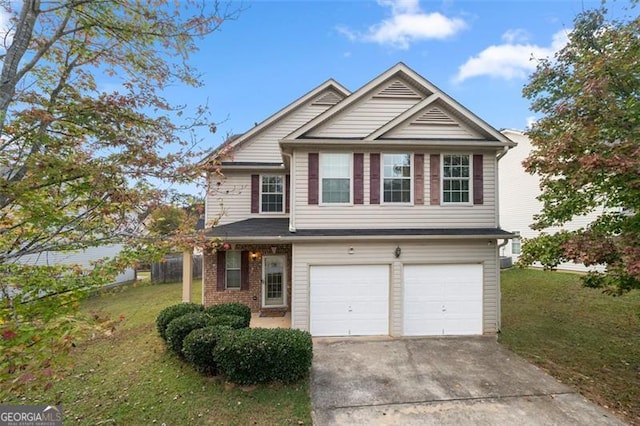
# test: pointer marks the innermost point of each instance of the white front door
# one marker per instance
(274, 281)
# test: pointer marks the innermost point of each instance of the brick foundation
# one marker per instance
(253, 296)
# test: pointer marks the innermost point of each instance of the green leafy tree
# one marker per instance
(586, 148)
(79, 163)
(172, 220)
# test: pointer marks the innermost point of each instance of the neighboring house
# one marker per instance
(365, 213)
(518, 202)
(82, 258)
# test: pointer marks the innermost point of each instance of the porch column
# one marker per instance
(187, 274)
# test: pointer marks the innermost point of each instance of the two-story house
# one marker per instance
(365, 213)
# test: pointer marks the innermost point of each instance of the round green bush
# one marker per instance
(258, 355)
(170, 313)
(198, 347)
(233, 308)
(180, 327)
(232, 321)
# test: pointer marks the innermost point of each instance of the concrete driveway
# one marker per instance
(438, 381)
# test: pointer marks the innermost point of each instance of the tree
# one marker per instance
(79, 163)
(586, 148)
(172, 220)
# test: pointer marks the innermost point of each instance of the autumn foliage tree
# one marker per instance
(80, 162)
(586, 148)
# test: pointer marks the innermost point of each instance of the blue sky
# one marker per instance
(477, 51)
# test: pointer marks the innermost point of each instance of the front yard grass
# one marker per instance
(126, 376)
(586, 339)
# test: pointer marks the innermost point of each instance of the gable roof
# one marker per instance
(334, 93)
(400, 81)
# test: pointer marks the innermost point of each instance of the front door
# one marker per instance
(274, 281)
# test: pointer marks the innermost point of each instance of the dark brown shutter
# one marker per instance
(358, 178)
(478, 190)
(434, 179)
(287, 190)
(255, 193)
(374, 181)
(418, 179)
(244, 270)
(313, 178)
(221, 265)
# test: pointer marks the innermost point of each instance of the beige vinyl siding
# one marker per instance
(264, 147)
(394, 216)
(364, 118)
(381, 253)
(421, 131)
(231, 200)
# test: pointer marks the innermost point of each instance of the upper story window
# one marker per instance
(233, 268)
(335, 178)
(272, 194)
(396, 172)
(456, 172)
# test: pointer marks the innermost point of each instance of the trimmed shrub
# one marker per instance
(258, 355)
(170, 313)
(233, 308)
(180, 327)
(198, 347)
(232, 321)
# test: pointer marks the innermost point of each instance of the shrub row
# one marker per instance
(216, 340)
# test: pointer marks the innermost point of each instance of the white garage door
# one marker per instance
(442, 300)
(349, 300)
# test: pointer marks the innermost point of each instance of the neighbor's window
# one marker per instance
(335, 174)
(396, 172)
(516, 244)
(455, 178)
(272, 194)
(233, 269)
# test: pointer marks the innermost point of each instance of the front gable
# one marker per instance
(399, 105)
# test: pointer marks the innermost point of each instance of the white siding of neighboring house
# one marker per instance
(394, 216)
(518, 203)
(264, 147)
(82, 258)
(382, 253)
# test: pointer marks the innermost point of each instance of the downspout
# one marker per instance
(292, 204)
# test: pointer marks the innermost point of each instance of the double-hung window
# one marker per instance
(335, 175)
(233, 268)
(272, 194)
(396, 172)
(516, 245)
(456, 181)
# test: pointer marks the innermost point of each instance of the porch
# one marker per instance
(269, 321)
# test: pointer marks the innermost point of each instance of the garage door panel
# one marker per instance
(442, 299)
(349, 300)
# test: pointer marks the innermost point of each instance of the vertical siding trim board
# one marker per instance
(221, 261)
(374, 170)
(434, 179)
(358, 178)
(255, 193)
(478, 190)
(418, 176)
(287, 193)
(313, 178)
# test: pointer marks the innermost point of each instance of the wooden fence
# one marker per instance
(170, 270)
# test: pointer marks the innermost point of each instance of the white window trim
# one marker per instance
(468, 203)
(284, 194)
(412, 181)
(519, 238)
(320, 177)
(226, 269)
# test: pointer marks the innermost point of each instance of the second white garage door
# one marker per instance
(349, 300)
(442, 300)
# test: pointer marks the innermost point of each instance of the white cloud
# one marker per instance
(407, 24)
(510, 60)
(531, 121)
(6, 29)
(517, 35)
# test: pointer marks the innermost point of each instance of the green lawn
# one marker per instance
(584, 338)
(127, 377)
